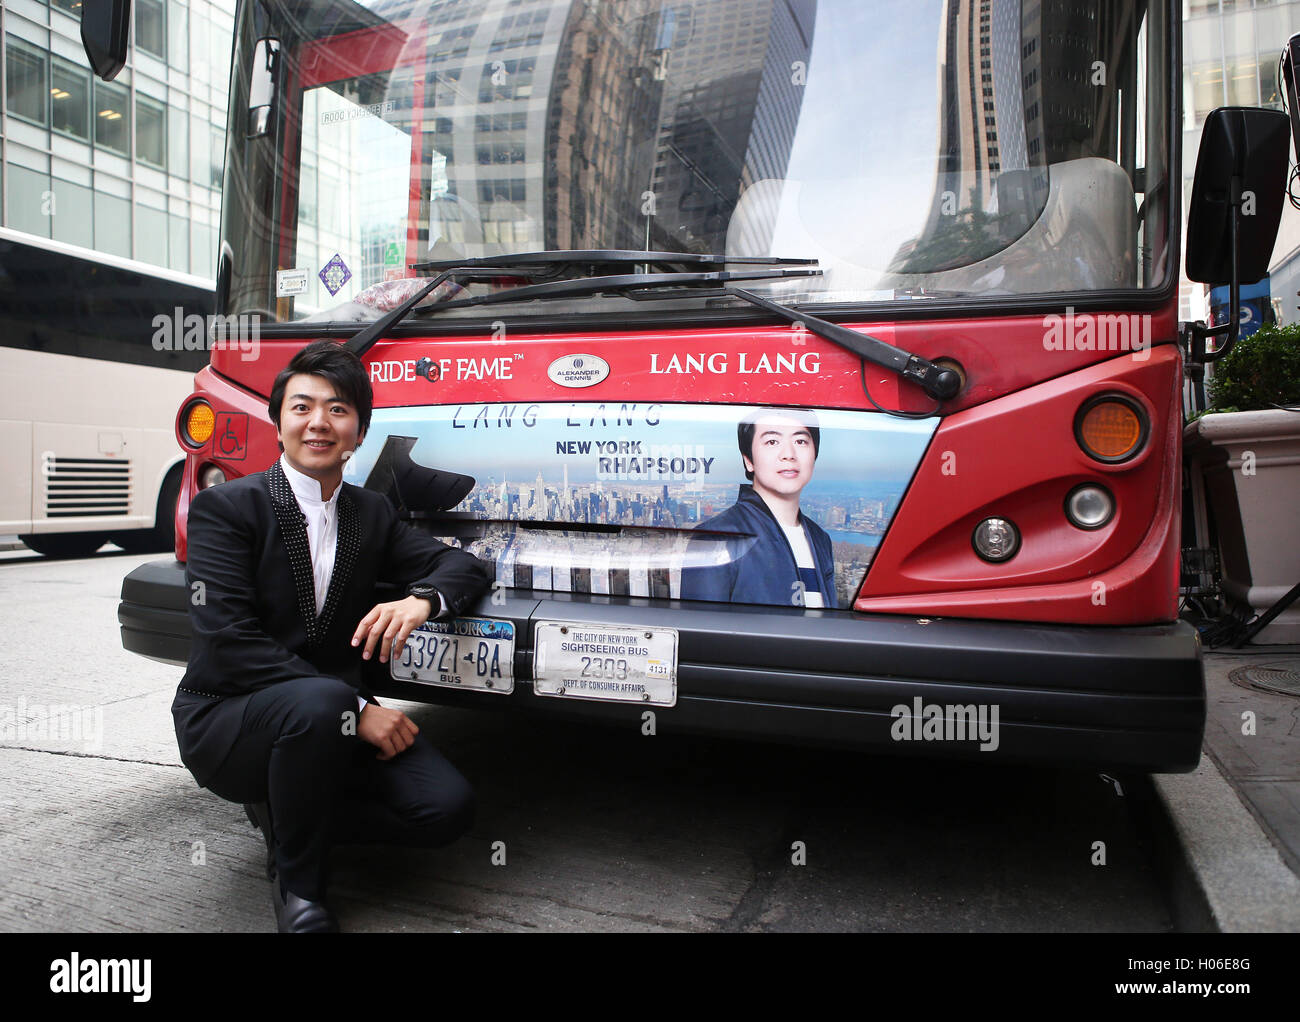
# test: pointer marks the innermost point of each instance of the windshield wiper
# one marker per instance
(624, 282)
(363, 340)
(592, 259)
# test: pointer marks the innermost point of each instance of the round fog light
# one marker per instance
(210, 475)
(1089, 506)
(996, 539)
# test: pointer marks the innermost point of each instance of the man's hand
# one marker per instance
(390, 731)
(388, 624)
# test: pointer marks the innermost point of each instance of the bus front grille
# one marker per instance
(86, 487)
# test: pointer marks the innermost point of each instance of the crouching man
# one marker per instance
(272, 711)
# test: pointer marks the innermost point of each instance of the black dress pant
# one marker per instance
(326, 786)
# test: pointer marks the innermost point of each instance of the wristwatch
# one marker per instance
(426, 592)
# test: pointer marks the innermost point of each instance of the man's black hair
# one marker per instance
(745, 430)
(344, 371)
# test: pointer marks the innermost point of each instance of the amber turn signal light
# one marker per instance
(1111, 428)
(198, 423)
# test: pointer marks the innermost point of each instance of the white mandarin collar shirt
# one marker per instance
(322, 526)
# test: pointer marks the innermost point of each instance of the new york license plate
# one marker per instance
(459, 652)
(608, 662)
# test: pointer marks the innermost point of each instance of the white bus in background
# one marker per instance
(88, 449)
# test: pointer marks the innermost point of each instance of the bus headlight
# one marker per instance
(996, 539)
(210, 475)
(1089, 506)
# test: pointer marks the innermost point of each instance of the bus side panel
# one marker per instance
(16, 469)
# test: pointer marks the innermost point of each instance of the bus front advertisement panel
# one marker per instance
(737, 504)
(766, 483)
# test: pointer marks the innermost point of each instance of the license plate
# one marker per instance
(459, 652)
(606, 662)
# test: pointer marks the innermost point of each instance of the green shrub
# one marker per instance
(1260, 371)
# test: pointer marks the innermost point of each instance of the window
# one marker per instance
(178, 144)
(179, 252)
(1268, 89)
(112, 120)
(198, 66)
(1207, 89)
(112, 225)
(202, 248)
(29, 200)
(219, 47)
(218, 140)
(151, 235)
(1243, 83)
(74, 221)
(200, 155)
(70, 99)
(307, 195)
(25, 77)
(178, 45)
(72, 7)
(150, 132)
(150, 27)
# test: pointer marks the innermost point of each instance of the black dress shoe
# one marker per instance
(259, 815)
(298, 915)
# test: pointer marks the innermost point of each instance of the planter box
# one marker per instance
(1249, 466)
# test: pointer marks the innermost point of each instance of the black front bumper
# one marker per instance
(1118, 698)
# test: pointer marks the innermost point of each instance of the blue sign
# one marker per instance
(1255, 306)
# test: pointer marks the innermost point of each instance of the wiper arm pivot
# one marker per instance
(939, 382)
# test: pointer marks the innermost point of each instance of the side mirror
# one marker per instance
(1239, 186)
(1235, 206)
(105, 34)
(263, 87)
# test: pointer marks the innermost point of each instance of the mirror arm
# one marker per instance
(1233, 327)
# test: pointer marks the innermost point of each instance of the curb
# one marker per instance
(1223, 859)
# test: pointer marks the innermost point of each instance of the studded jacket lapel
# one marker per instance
(345, 556)
(293, 527)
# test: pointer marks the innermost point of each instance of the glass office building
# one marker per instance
(1230, 58)
(133, 167)
(130, 167)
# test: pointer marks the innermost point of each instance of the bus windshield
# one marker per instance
(915, 148)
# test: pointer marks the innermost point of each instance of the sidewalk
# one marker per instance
(1244, 851)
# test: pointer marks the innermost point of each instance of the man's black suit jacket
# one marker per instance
(253, 606)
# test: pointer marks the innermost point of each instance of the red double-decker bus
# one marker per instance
(800, 370)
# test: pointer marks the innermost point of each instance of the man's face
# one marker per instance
(317, 427)
(783, 456)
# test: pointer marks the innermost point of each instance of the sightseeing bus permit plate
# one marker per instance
(612, 663)
(460, 652)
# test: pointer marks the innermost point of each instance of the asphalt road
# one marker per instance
(579, 828)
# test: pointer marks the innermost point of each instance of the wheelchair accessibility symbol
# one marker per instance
(230, 437)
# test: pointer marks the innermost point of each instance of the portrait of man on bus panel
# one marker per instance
(776, 553)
